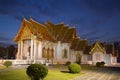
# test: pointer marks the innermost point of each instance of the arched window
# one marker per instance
(52, 53)
(78, 58)
(64, 54)
(48, 53)
(43, 52)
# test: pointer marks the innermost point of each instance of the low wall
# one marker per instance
(23, 61)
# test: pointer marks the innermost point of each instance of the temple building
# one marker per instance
(52, 43)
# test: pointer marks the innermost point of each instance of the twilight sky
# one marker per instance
(94, 19)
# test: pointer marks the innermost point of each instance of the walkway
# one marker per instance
(109, 73)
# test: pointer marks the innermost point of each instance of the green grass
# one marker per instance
(20, 74)
(2, 67)
(13, 74)
(58, 75)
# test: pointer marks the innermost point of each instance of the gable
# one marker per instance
(97, 48)
(24, 31)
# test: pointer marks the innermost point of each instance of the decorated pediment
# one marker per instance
(97, 48)
(26, 33)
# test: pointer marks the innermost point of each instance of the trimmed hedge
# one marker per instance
(37, 71)
(74, 68)
(67, 63)
(100, 64)
(7, 63)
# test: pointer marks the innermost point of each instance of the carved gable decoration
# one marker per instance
(26, 33)
(97, 48)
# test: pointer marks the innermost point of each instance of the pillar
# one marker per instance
(31, 54)
(35, 44)
(21, 51)
(40, 50)
(68, 52)
(58, 55)
(18, 53)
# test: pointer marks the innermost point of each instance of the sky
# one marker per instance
(93, 19)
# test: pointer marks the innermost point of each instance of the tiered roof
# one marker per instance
(48, 31)
(61, 32)
(79, 44)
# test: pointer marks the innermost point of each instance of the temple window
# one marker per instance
(78, 58)
(52, 53)
(48, 53)
(43, 52)
(64, 54)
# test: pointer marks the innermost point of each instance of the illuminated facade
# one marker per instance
(54, 43)
(48, 42)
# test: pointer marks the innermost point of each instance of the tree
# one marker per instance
(11, 51)
(37, 71)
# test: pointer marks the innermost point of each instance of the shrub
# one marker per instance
(102, 63)
(74, 68)
(7, 63)
(67, 63)
(98, 64)
(37, 71)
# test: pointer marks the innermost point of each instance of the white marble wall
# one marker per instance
(98, 57)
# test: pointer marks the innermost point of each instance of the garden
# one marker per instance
(56, 72)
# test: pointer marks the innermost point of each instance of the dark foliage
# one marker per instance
(67, 63)
(37, 71)
(74, 68)
(7, 63)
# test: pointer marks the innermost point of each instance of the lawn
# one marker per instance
(20, 74)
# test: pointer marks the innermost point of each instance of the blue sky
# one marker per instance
(94, 19)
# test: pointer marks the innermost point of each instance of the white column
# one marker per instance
(35, 50)
(40, 50)
(31, 54)
(18, 53)
(21, 52)
(68, 52)
(59, 51)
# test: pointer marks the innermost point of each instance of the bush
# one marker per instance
(37, 71)
(98, 64)
(74, 68)
(7, 63)
(102, 63)
(67, 63)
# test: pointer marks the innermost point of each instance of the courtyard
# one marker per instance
(61, 73)
(109, 73)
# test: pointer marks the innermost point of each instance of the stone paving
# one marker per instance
(101, 74)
